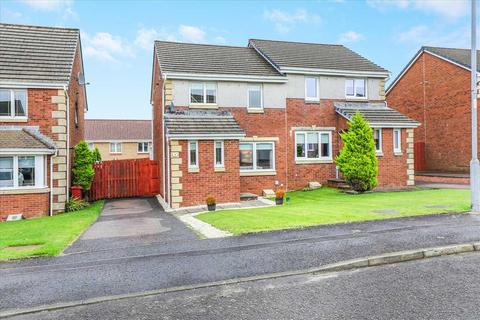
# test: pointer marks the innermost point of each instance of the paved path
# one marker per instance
(173, 263)
(437, 288)
(130, 223)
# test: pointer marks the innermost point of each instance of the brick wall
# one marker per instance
(30, 205)
(157, 107)
(437, 94)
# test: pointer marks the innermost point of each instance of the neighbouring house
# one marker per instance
(235, 122)
(434, 89)
(119, 139)
(42, 105)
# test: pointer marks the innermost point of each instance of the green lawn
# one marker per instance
(52, 233)
(329, 206)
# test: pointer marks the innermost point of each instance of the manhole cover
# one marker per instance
(20, 248)
(437, 206)
(386, 211)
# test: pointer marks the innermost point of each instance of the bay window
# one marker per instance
(21, 171)
(355, 88)
(313, 145)
(13, 103)
(255, 97)
(203, 93)
(257, 156)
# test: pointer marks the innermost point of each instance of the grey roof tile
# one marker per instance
(377, 114)
(211, 59)
(37, 54)
(460, 56)
(202, 123)
(12, 137)
(286, 54)
(116, 129)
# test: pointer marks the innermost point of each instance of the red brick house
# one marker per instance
(42, 105)
(235, 121)
(434, 89)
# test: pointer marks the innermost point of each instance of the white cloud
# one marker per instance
(350, 36)
(146, 37)
(48, 5)
(422, 35)
(7, 15)
(284, 21)
(451, 9)
(106, 47)
(191, 33)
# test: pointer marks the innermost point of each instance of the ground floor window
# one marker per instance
(193, 154)
(219, 154)
(397, 138)
(377, 137)
(115, 147)
(313, 145)
(257, 156)
(21, 171)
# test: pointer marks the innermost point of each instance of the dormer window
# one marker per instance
(355, 88)
(13, 103)
(203, 93)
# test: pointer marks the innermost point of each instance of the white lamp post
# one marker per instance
(474, 163)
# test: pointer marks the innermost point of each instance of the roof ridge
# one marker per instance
(38, 27)
(450, 48)
(203, 44)
(300, 42)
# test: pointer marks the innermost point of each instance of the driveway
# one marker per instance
(130, 223)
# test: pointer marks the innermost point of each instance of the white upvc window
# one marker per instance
(22, 171)
(203, 93)
(356, 88)
(143, 147)
(257, 156)
(115, 147)
(311, 89)
(91, 146)
(13, 103)
(377, 138)
(219, 154)
(255, 96)
(397, 140)
(313, 145)
(193, 154)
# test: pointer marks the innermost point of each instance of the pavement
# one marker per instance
(138, 265)
(437, 288)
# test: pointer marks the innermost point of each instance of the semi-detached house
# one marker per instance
(231, 120)
(42, 105)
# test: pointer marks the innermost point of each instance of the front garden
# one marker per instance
(330, 206)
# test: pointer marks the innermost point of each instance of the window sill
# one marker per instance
(115, 153)
(258, 173)
(204, 106)
(312, 161)
(356, 99)
(250, 110)
(398, 153)
(24, 190)
(10, 119)
(193, 170)
(379, 154)
(312, 101)
(219, 169)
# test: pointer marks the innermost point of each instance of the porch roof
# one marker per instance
(202, 125)
(377, 114)
(13, 138)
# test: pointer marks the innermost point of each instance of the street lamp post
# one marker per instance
(474, 163)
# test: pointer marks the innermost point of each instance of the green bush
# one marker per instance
(357, 160)
(97, 157)
(75, 204)
(82, 166)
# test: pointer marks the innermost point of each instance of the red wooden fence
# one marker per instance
(125, 178)
(419, 154)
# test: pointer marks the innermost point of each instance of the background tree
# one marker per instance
(358, 160)
(83, 166)
(97, 157)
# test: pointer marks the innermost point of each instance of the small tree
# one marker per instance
(97, 157)
(357, 160)
(83, 166)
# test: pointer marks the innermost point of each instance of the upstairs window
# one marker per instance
(377, 137)
(13, 103)
(311, 89)
(313, 145)
(115, 147)
(203, 93)
(143, 147)
(255, 97)
(355, 88)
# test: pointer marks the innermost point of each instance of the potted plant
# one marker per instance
(211, 203)
(279, 194)
(82, 170)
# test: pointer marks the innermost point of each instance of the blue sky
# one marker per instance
(117, 36)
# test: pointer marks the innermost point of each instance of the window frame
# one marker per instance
(190, 166)
(317, 97)
(365, 97)
(398, 149)
(39, 177)
(254, 156)
(249, 88)
(12, 104)
(380, 140)
(222, 164)
(204, 85)
(116, 149)
(143, 143)
(91, 146)
(305, 143)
